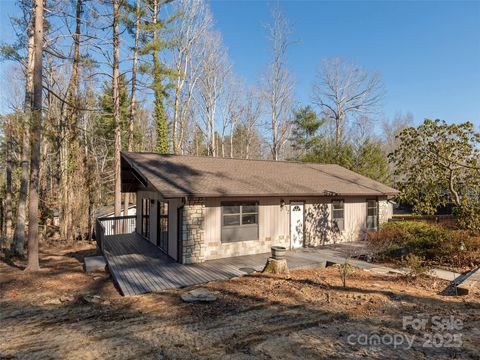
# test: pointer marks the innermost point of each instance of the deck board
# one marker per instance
(137, 266)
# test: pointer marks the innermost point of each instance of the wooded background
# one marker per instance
(91, 78)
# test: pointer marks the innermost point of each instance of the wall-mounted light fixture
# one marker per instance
(282, 203)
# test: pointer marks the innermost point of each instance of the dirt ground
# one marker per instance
(50, 315)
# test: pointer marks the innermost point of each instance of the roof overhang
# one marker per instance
(131, 178)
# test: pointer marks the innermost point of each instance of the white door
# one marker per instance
(296, 224)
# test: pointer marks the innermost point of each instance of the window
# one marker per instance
(162, 234)
(372, 214)
(239, 221)
(146, 217)
(338, 215)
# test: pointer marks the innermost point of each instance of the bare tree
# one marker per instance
(231, 109)
(344, 91)
(279, 86)
(18, 244)
(116, 108)
(251, 112)
(214, 69)
(392, 128)
(192, 23)
(8, 128)
(133, 104)
(72, 182)
(33, 263)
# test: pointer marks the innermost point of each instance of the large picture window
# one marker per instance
(338, 215)
(239, 221)
(146, 217)
(372, 212)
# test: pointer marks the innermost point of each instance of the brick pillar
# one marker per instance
(193, 231)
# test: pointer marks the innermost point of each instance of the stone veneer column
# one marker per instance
(193, 231)
(384, 211)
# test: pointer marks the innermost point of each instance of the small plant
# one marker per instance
(416, 265)
(345, 269)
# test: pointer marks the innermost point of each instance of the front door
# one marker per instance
(296, 223)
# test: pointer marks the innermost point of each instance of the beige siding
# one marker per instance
(355, 218)
(173, 205)
(274, 224)
(273, 229)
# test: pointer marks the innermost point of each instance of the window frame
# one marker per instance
(334, 222)
(161, 215)
(146, 211)
(374, 216)
(252, 227)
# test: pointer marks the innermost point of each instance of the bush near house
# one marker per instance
(431, 242)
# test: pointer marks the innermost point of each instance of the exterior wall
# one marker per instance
(201, 226)
(273, 229)
(193, 243)
(274, 224)
(385, 211)
(173, 204)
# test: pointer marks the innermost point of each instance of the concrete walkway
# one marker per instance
(339, 252)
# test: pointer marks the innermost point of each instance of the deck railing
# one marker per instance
(117, 225)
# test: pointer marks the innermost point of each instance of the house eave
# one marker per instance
(263, 195)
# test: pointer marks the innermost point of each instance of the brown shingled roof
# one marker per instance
(179, 176)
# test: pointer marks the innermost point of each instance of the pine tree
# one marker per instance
(153, 42)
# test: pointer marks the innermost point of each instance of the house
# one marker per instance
(201, 208)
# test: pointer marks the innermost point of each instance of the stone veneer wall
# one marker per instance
(193, 249)
(385, 211)
(217, 250)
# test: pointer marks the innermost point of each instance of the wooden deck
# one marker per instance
(139, 267)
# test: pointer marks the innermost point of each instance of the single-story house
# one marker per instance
(198, 208)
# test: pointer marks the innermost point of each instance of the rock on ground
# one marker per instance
(199, 295)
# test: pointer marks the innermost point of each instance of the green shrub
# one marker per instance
(430, 242)
(416, 265)
(468, 217)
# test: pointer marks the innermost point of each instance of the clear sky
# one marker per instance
(428, 53)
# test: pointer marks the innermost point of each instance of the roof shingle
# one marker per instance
(179, 176)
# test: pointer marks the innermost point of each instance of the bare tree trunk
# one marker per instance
(18, 245)
(279, 86)
(116, 108)
(132, 99)
(72, 151)
(274, 135)
(212, 134)
(8, 183)
(231, 141)
(33, 263)
(88, 182)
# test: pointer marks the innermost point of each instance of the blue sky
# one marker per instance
(428, 53)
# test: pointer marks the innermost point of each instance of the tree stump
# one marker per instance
(274, 266)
